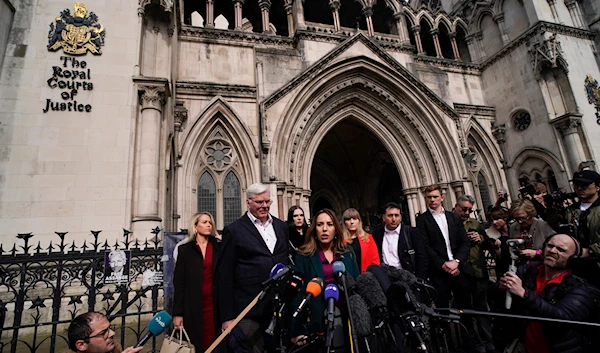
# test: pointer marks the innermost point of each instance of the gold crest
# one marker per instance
(78, 33)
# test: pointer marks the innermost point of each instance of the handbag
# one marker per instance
(172, 345)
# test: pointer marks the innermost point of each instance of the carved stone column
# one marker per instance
(368, 12)
(479, 44)
(499, 133)
(436, 42)
(499, 18)
(568, 126)
(181, 115)
(288, 7)
(237, 13)
(459, 188)
(471, 44)
(334, 5)
(417, 33)
(413, 203)
(401, 28)
(455, 51)
(152, 97)
(265, 6)
(552, 4)
(298, 10)
(574, 12)
(210, 14)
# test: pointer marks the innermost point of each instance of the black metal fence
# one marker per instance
(43, 289)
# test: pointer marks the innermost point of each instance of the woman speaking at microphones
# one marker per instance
(323, 245)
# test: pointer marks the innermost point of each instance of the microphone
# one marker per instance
(412, 319)
(278, 272)
(155, 327)
(370, 290)
(398, 274)
(290, 291)
(332, 295)
(313, 289)
(363, 325)
(381, 276)
(339, 270)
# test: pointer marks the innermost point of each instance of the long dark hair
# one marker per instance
(290, 219)
(310, 246)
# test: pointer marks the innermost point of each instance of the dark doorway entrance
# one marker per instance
(352, 168)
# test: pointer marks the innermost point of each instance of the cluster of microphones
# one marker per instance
(377, 300)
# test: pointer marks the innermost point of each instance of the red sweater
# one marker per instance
(369, 255)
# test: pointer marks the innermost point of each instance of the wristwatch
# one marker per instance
(457, 261)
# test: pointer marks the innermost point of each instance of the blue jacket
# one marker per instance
(310, 267)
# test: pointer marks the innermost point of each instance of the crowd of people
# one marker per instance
(556, 277)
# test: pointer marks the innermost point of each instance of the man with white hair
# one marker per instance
(252, 245)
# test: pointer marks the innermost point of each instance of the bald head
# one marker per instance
(558, 250)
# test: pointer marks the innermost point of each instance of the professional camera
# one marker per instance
(527, 190)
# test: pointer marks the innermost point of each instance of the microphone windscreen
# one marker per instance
(397, 274)
(350, 283)
(339, 266)
(278, 267)
(380, 276)
(331, 291)
(360, 314)
(159, 323)
(368, 288)
(315, 286)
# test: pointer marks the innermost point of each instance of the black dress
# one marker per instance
(188, 280)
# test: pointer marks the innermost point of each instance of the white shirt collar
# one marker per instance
(397, 230)
(255, 220)
(435, 213)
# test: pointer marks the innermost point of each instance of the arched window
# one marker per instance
(207, 198)
(484, 192)
(231, 199)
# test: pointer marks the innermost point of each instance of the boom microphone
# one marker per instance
(155, 327)
(380, 276)
(370, 290)
(398, 274)
(363, 325)
(313, 289)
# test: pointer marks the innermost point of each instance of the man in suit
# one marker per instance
(252, 245)
(400, 245)
(448, 248)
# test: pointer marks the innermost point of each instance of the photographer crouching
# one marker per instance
(91, 332)
(550, 290)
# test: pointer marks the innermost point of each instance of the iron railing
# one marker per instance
(43, 289)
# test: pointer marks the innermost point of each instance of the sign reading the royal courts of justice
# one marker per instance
(76, 35)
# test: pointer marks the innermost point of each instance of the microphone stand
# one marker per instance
(524, 317)
(354, 336)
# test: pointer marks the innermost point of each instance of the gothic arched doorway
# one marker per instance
(352, 168)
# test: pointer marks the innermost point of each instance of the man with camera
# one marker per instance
(585, 215)
(551, 291)
(476, 269)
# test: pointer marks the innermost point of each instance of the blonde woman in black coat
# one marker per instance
(195, 279)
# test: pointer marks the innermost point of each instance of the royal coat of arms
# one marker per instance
(77, 33)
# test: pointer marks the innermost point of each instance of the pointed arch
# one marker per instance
(459, 23)
(480, 13)
(386, 103)
(425, 16)
(443, 18)
(216, 128)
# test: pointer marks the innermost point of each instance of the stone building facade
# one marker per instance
(339, 103)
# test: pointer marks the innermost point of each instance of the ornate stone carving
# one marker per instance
(546, 49)
(499, 132)
(334, 5)
(152, 97)
(218, 154)
(568, 124)
(181, 115)
(167, 5)
(471, 158)
(264, 5)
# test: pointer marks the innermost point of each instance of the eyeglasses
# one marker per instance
(104, 333)
(263, 202)
(467, 209)
(521, 219)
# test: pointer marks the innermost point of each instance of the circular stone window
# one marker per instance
(521, 120)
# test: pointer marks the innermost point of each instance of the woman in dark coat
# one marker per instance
(297, 229)
(195, 279)
(323, 244)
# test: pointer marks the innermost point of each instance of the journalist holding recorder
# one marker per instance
(323, 245)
